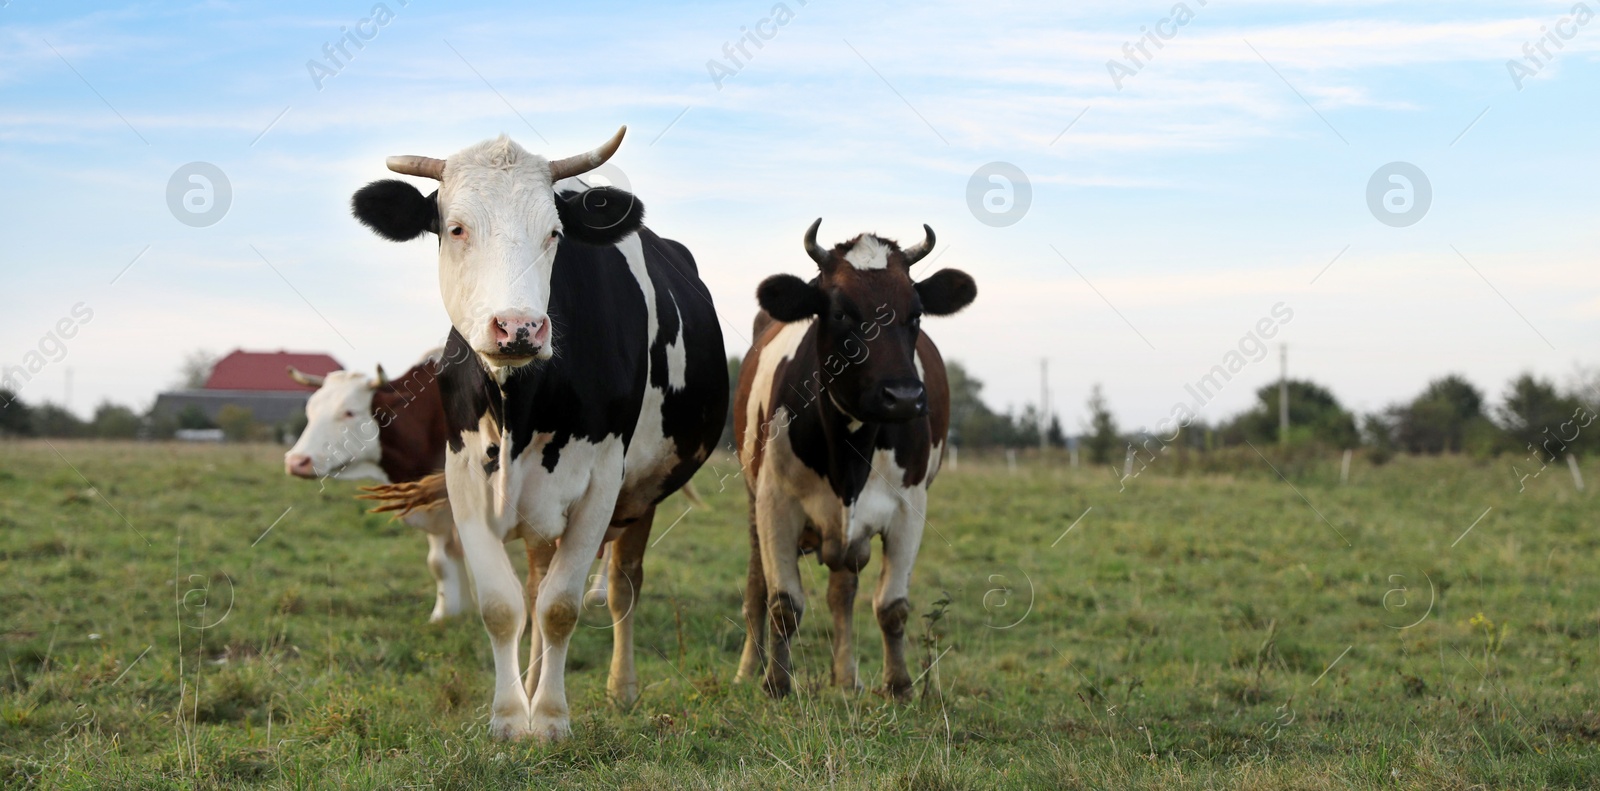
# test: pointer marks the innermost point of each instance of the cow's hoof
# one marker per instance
(509, 729)
(776, 686)
(899, 693)
(552, 730)
(849, 681)
(624, 695)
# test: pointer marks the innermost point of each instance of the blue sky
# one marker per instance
(1167, 216)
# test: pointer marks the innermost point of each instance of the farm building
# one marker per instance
(256, 381)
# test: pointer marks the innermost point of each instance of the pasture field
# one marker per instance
(1425, 626)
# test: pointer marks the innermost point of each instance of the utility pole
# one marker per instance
(1044, 403)
(1283, 395)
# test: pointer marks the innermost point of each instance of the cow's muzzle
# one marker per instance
(893, 403)
(518, 338)
(299, 465)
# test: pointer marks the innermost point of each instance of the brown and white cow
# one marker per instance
(389, 431)
(840, 417)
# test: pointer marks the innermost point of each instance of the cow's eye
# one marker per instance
(349, 413)
(457, 231)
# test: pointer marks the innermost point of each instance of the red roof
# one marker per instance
(242, 370)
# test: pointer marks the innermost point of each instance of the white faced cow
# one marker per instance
(375, 429)
(595, 386)
(841, 415)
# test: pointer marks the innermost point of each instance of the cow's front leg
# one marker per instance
(500, 600)
(539, 555)
(891, 602)
(626, 581)
(779, 521)
(561, 596)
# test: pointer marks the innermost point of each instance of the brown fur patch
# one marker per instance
(559, 619)
(500, 618)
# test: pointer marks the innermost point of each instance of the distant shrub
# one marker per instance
(238, 423)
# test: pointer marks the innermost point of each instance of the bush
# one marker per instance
(16, 418)
(193, 416)
(1314, 416)
(50, 420)
(1543, 422)
(238, 423)
(115, 422)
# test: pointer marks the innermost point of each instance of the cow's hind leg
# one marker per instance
(446, 562)
(538, 564)
(754, 657)
(780, 521)
(600, 581)
(626, 583)
(843, 579)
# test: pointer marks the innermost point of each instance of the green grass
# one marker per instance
(1179, 636)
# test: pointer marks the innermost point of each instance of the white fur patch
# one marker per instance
(677, 356)
(869, 253)
(502, 195)
(780, 348)
(881, 498)
(341, 436)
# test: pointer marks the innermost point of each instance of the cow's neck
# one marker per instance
(407, 414)
(850, 443)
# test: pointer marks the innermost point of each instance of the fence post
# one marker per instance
(1344, 468)
(1577, 476)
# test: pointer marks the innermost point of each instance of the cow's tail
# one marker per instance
(404, 499)
(693, 496)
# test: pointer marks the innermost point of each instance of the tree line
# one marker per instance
(1532, 417)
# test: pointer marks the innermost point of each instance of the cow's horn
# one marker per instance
(309, 380)
(583, 163)
(426, 167)
(382, 379)
(917, 252)
(821, 256)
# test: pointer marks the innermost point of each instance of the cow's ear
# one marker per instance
(788, 298)
(946, 291)
(599, 216)
(396, 210)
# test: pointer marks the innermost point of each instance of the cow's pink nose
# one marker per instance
(299, 465)
(520, 332)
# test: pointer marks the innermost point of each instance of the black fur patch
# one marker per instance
(788, 298)
(946, 291)
(396, 210)
(599, 216)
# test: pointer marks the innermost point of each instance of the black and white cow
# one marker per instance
(596, 386)
(841, 416)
